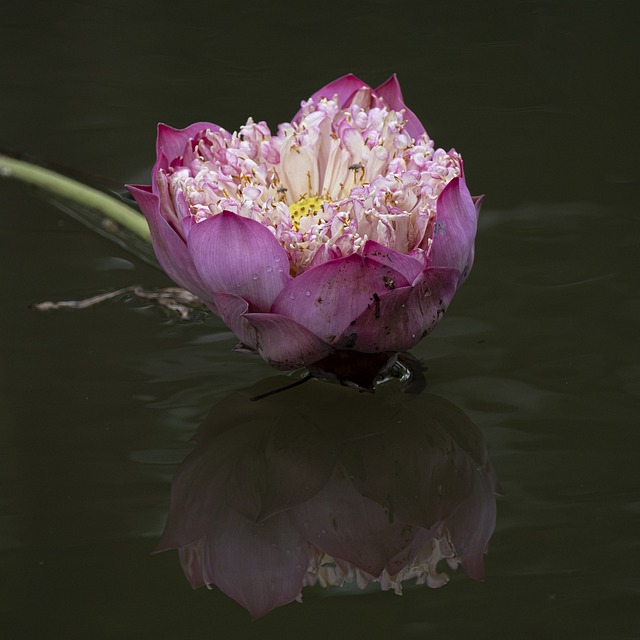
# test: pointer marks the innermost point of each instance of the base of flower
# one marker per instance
(364, 371)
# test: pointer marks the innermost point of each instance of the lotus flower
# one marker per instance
(344, 236)
(378, 488)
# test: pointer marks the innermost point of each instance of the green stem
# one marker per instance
(76, 191)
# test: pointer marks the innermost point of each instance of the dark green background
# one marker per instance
(539, 348)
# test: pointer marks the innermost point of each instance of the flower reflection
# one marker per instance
(318, 485)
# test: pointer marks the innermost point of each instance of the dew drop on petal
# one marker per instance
(307, 293)
(254, 276)
(269, 269)
(292, 296)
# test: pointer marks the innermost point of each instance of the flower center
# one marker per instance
(304, 207)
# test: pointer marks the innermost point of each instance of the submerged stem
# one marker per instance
(76, 191)
(285, 388)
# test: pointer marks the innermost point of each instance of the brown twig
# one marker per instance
(174, 299)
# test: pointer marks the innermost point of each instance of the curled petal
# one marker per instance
(232, 310)
(343, 87)
(329, 297)
(390, 92)
(281, 341)
(238, 255)
(171, 142)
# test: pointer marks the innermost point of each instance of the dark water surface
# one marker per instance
(539, 348)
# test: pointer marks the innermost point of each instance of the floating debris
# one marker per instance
(175, 300)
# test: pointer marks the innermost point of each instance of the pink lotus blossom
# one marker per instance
(346, 231)
(374, 489)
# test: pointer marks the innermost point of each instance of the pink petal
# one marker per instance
(169, 247)
(251, 457)
(329, 297)
(197, 492)
(428, 471)
(344, 87)
(409, 267)
(232, 310)
(282, 342)
(191, 563)
(238, 255)
(261, 566)
(455, 228)
(477, 203)
(295, 459)
(390, 92)
(171, 142)
(350, 527)
(402, 317)
(473, 522)
(323, 254)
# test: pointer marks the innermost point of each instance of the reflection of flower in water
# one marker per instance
(284, 493)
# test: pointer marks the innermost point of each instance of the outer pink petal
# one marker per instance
(282, 342)
(390, 92)
(171, 142)
(238, 255)
(455, 228)
(329, 297)
(261, 566)
(344, 87)
(169, 247)
(402, 317)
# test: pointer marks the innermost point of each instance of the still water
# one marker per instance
(538, 348)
